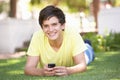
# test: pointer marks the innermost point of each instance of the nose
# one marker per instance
(50, 28)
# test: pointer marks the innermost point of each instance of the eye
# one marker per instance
(45, 26)
(54, 24)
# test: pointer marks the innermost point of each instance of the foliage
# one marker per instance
(76, 4)
(97, 41)
(35, 2)
(72, 5)
(104, 67)
(116, 3)
(110, 42)
(4, 6)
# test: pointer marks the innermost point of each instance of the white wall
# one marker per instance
(109, 20)
(14, 32)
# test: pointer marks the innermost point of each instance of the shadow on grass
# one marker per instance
(10, 68)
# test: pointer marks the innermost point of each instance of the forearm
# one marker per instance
(34, 72)
(77, 68)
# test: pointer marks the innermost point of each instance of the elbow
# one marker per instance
(84, 68)
(26, 71)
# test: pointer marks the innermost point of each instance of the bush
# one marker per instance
(100, 43)
(112, 42)
(97, 41)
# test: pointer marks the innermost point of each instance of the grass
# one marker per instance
(105, 67)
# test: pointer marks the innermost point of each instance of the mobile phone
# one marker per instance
(51, 65)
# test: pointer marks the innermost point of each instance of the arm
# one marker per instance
(80, 66)
(31, 68)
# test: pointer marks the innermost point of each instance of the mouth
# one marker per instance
(52, 34)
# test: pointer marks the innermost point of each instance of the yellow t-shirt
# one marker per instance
(72, 45)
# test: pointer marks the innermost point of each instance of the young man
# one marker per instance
(55, 44)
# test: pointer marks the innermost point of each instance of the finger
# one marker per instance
(58, 67)
(48, 69)
(58, 71)
(49, 73)
(60, 74)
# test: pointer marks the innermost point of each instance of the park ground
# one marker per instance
(104, 67)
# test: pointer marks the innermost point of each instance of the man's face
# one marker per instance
(52, 28)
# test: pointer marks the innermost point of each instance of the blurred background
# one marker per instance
(97, 20)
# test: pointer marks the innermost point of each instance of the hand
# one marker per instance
(48, 71)
(61, 71)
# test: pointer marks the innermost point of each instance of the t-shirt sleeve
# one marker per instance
(78, 44)
(33, 49)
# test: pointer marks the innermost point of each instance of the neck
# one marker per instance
(56, 43)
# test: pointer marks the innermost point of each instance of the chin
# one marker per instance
(52, 38)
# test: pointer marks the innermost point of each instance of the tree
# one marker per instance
(13, 8)
(95, 11)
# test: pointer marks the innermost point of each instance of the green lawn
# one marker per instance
(105, 67)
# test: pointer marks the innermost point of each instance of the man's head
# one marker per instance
(49, 12)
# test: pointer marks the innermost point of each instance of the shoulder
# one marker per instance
(38, 33)
(71, 31)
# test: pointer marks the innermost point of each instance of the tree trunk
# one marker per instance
(12, 8)
(95, 12)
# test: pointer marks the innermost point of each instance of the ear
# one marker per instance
(63, 26)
